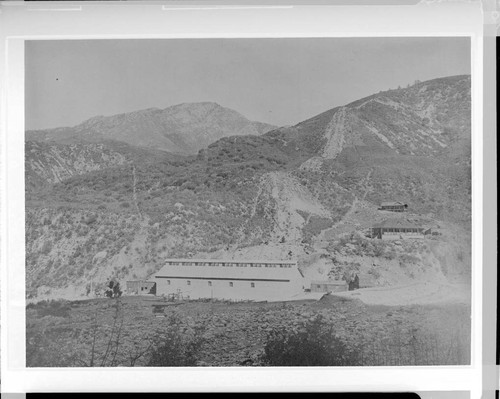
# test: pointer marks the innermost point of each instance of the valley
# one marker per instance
(101, 206)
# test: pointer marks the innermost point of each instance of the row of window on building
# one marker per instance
(188, 282)
(402, 230)
(230, 264)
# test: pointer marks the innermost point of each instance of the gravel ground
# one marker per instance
(235, 333)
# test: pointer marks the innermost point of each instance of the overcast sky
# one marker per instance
(279, 81)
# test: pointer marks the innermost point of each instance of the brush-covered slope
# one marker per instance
(415, 142)
(183, 128)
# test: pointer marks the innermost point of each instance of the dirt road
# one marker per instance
(413, 294)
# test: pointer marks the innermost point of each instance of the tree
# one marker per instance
(315, 344)
(113, 290)
(117, 292)
(105, 340)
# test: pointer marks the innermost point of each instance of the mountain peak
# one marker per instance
(200, 104)
(183, 128)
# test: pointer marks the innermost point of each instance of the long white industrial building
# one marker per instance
(229, 279)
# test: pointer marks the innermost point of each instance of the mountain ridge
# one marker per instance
(291, 192)
(414, 108)
(183, 128)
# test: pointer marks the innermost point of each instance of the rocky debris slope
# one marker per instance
(335, 135)
(236, 334)
(290, 197)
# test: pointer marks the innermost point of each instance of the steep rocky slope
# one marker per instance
(48, 163)
(424, 119)
(183, 128)
(53, 163)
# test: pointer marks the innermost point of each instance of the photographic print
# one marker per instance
(248, 202)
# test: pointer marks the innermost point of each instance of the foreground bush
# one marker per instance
(174, 348)
(315, 344)
(56, 308)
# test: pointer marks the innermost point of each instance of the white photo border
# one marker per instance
(73, 20)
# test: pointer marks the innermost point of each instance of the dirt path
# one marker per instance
(363, 183)
(411, 294)
(347, 220)
(255, 203)
(241, 229)
(134, 195)
(334, 133)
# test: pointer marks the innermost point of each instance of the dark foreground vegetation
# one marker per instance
(126, 332)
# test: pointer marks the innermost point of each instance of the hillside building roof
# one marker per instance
(200, 260)
(329, 282)
(397, 224)
(393, 203)
(215, 269)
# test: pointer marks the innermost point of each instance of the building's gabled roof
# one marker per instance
(397, 224)
(239, 270)
(329, 282)
(392, 203)
(290, 262)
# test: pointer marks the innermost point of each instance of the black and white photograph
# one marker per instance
(248, 202)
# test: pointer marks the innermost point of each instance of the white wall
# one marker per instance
(220, 289)
(401, 236)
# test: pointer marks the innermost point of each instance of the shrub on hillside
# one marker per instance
(57, 308)
(46, 247)
(316, 344)
(113, 290)
(406, 259)
(175, 348)
(315, 226)
(44, 350)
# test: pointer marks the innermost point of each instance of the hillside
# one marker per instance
(424, 119)
(48, 163)
(306, 192)
(55, 163)
(183, 128)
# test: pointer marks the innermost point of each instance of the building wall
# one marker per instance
(328, 287)
(222, 289)
(318, 288)
(148, 288)
(399, 208)
(133, 287)
(399, 236)
(228, 279)
(382, 233)
(141, 287)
